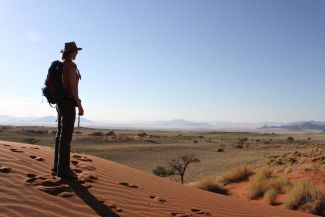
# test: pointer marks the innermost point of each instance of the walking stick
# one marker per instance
(78, 123)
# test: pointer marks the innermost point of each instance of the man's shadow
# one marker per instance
(100, 208)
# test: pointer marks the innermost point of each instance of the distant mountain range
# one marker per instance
(175, 124)
(299, 126)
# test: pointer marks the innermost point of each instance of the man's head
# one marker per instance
(70, 51)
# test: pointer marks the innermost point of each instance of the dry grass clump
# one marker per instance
(305, 195)
(311, 166)
(270, 196)
(288, 170)
(265, 172)
(210, 184)
(262, 182)
(238, 174)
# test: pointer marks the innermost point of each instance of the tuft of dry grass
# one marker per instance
(238, 174)
(263, 181)
(311, 166)
(270, 196)
(210, 184)
(265, 172)
(288, 170)
(305, 195)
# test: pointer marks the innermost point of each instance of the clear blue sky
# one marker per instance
(230, 60)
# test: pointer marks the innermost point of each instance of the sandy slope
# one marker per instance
(105, 188)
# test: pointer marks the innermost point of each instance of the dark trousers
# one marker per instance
(66, 118)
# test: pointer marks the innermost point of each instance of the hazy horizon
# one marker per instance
(28, 118)
(234, 61)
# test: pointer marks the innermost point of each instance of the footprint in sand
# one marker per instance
(128, 185)
(6, 145)
(59, 187)
(83, 165)
(31, 175)
(51, 185)
(195, 212)
(159, 199)
(201, 212)
(4, 169)
(112, 205)
(181, 214)
(82, 158)
(16, 150)
(77, 170)
(61, 190)
(35, 180)
(87, 177)
(36, 158)
(84, 186)
(74, 162)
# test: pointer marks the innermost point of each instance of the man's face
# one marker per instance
(74, 54)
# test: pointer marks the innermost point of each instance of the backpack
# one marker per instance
(53, 89)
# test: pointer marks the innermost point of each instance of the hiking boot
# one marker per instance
(68, 175)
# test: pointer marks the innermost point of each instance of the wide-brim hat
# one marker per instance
(70, 46)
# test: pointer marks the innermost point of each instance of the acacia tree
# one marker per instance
(176, 167)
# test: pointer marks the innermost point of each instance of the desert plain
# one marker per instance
(232, 166)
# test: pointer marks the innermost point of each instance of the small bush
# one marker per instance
(97, 133)
(162, 171)
(270, 196)
(306, 195)
(142, 134)
(290, 139)
(31, 140)
(211, 185)
(236, 175)
(110, 133)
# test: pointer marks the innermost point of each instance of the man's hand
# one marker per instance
(81, 110)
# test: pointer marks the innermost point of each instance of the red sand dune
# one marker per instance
(105, 188)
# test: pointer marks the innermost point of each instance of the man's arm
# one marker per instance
(73, 88)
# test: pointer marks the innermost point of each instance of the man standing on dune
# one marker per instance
(67, 112)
